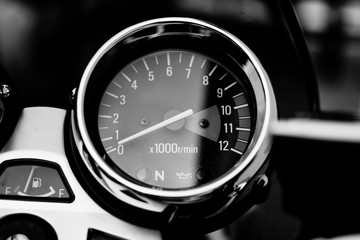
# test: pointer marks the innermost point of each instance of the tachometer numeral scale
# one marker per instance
(169, 118)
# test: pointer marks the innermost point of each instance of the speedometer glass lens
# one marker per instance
(175, 119)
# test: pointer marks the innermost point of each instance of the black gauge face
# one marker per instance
(175, 119)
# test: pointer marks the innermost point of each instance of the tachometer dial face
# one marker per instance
(175, 119)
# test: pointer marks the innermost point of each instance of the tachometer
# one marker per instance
(175, 119)
(172, 113)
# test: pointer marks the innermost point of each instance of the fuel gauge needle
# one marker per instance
(162, 124)
(29, 178)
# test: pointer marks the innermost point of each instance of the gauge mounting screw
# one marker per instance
(262, 188)
(5, 90)
(204, 123)
(145, 122)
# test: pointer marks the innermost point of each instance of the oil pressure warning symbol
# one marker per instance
(34, 181)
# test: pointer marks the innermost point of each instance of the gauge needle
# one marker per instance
(162, 124)
(29, 178)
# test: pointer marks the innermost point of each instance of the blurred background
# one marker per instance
(332, 30)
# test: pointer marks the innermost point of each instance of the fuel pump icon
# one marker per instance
(36, 182)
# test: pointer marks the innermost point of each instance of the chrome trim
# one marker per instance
(258, 149)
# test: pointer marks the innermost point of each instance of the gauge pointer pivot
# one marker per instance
(160, 125)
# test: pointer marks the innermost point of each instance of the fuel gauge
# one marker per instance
(33, 181)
